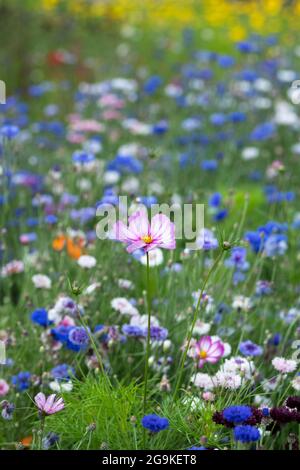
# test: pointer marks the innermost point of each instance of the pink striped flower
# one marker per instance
(48, 405)
(139, 234)
(207, 350)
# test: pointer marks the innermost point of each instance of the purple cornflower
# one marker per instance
(250, 349)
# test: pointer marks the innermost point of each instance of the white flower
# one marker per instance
(91, 288)
(41, 281)
(250, 153)
(228, 380)
(284, 365)
(60, 387)
(239, 365)
(156, 258)
(296, 383)
(194, 403)
(122, 305)
(271, 384)
(86, 261)
(111, 177)
(125, 284)
(201, 328)
(242, 303)
(202, 380)
(142, 321)
(227, 347)
(130, 185)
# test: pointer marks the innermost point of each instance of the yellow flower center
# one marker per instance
(147, 239)
(203, 354)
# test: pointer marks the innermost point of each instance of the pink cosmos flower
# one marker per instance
(142, 235)
(48, 405)
(206, 350)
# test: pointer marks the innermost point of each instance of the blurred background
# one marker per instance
(76, 40)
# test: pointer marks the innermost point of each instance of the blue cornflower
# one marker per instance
(209, 165)
(275, 339)
(62, 372)
(263, 288)
(265, 412)
(40, 316)
(255, 240)
(157, 333)
(218, 119)
(133, 330)
(220, 215)
(196, 448)
(246, 47)
(207, 240)
(275, 245)
(21, 381)
(61, 332)
(49, 440)
(125, 164)
(78, 336)
(51, 219)
(160, 128)
(82, 158)
(246, 433)
(215, 200)
(9, 131)
(250, 349)
(263, 131)
(237, 259)
(83, 215)
(237, 413)
(225, 61)
(155, 423)
(152, 84)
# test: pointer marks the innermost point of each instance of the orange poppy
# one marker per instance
(59, 243)
(26, 441)
(74, 250)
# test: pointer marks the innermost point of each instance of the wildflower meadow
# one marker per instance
(150, 225)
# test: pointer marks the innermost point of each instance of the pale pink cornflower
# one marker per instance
(284, 365)
(13, 267)
(142, 235)
(4, 387)
(86, 125)
(208, 396)
(207, 350)
(48, 405)
(228, 380)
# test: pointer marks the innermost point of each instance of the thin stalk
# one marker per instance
(184, 354)
(148, 343)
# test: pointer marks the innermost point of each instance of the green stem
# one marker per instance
(148, 342)
(184, 354)
(94, 346)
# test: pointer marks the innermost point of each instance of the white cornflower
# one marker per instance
(41, 281)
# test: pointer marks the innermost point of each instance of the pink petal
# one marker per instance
(122, 233)
(216, 349)
(40, 400)
(201, 363)
(139, 225)
(205, 343)
(162, 228)
(49, 403)
(58, 405)
(135, 246)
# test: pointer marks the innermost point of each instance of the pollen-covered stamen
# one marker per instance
(202, 354)
(147, 239)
